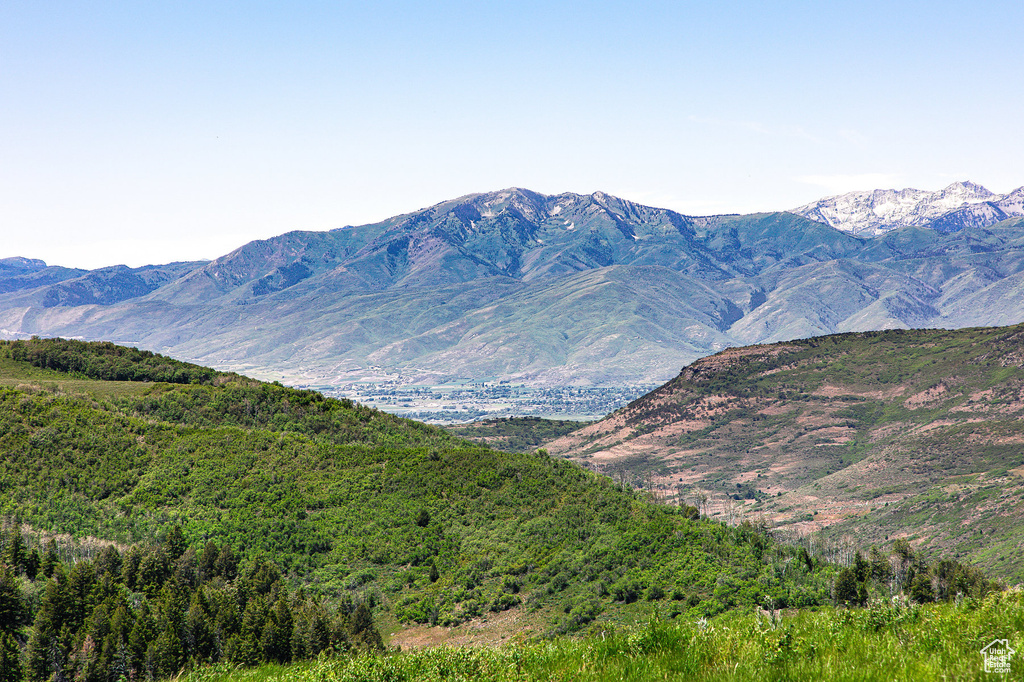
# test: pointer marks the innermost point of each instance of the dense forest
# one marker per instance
(148, 612)
(238, 517)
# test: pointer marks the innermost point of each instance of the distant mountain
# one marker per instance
(961, 205)
(520, 286)
(873, 435)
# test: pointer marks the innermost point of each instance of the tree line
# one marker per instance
(105, 361)
(150, 612)
(906, 572)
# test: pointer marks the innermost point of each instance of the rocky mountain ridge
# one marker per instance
(524, 287)
(871, 213)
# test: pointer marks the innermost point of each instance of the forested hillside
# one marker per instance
(156, 525)
(870, 436)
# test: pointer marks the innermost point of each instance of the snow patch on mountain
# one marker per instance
(960, 205)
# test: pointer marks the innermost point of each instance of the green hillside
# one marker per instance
(153, 526)
(864, 436)
(514, 434)
(346, 502)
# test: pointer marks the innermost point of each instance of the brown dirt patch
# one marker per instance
(832, 391)
(929, 396)
(490, 630)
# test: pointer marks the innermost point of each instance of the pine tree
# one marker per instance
(32, 564)
(175, 543)
(363, 630)
(15, 553)
(861, 567)
(921, 589)
(250, 651)
(13, 613)
(198, 634)
(79, 595)
(227, 563)
(109, 562)
(208, 561)
(11, 669)
(130, 568)
(846, 587)
(282, 616)
(50, 559)
(166, 655)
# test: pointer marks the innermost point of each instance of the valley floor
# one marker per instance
(459, 403)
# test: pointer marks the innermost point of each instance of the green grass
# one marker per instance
(885, 641)
(21, 374)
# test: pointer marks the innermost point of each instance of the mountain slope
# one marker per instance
(873, 435)
(519, 286)
(348, 500)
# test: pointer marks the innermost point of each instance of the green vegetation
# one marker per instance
(515, 434)
(107, 361)
(877, 434)
(151, 612)
(353, 504)
(886, 641)
(289, 524)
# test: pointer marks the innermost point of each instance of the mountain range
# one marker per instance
(960, 205)
(520, 286)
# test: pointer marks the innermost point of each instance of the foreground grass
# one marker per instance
(892, 642)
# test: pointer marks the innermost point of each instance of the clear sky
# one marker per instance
(146, 132)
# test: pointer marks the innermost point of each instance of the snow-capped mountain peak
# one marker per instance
(960, 205)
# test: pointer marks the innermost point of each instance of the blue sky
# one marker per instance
(147, 132)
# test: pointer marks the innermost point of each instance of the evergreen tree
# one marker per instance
(130, 563)
(175, 543)
(79, 595)
(13, 611)
(32, 564)
(49, 558)
(227, 563)
(921, 588)
(109, 562)
(364, 632)
(165, 655)
(861, 567)
(284, 621)
(15, 553)
(846, 587)
(198, 642)
(880, 568)
(208, 561)
(318, 634)
(154, 570)
(250, 650)
(11, 669)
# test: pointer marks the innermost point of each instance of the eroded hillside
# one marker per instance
(871, 435)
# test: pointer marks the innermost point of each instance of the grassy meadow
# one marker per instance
(883, 641)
